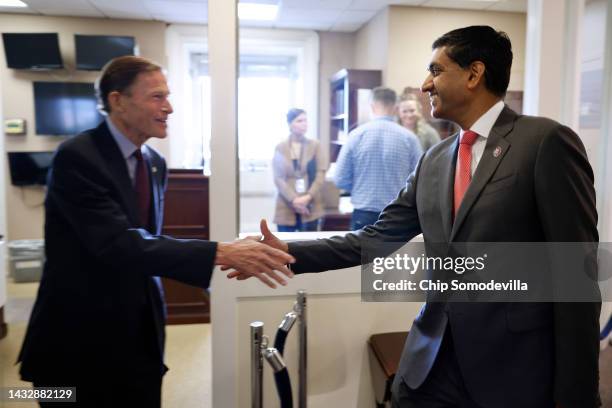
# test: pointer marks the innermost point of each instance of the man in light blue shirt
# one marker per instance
(377, 159)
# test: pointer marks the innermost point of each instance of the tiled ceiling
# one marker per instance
(324, 15)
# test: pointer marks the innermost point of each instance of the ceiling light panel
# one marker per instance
(317, 4)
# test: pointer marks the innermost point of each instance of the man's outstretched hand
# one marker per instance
(265, 257)
(271, 242)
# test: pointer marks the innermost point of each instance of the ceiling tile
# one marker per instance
(64, 8)
(179, 11)
(408, 2)
(123, 9)
(346, 27)
(510, 5)
(305, 25)
(181, 19)
(355, 17)
(18, 10)
(373, 5)
(176, 7)
(459, 4)
(317, 4)
(60, 11)
(258, 1)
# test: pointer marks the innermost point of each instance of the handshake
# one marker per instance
(263, 256)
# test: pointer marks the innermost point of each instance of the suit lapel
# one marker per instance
(447, 176)
(118, 168)
(494, 152)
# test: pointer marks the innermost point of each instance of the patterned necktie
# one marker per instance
(142, 186)
(463, 174)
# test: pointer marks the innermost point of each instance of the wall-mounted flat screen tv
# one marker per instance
(29, 168)
(65, 108)
(39, 51)
(94, 51)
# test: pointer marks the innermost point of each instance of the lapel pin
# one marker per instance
(497, 152)
(154, 169)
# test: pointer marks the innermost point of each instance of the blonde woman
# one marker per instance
(410, 117)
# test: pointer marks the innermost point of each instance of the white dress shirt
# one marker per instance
(483, 127)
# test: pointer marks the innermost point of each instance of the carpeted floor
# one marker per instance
(188, 354)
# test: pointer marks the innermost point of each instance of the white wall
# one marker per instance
(412, 30)
(372, 44)
(337, 52)
(339, 326)
(24, 205)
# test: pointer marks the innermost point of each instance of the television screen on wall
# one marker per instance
(29, 168)
(94, 51)
(65, 108)
(38, 51)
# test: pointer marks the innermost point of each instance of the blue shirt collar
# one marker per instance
(125, 145)
(385, 117)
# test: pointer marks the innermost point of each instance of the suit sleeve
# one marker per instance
(398, 223)
(100, 223)
(566, 204)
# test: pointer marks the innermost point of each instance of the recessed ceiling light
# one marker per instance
(257, 11)
(12, 3)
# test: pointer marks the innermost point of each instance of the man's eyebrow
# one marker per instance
(434, 65)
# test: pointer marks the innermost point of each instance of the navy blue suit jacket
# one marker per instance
(99, 311)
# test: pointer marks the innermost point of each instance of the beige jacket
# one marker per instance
(285, 177)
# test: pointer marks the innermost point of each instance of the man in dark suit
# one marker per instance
(504, 178)
(98, 321)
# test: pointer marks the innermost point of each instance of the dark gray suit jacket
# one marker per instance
(539, 188)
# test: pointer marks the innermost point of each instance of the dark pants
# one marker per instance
(361, 218)
(443, 388)
(142, 392)
(299, 225)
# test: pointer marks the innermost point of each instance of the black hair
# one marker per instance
(294, 113)
(481, 43)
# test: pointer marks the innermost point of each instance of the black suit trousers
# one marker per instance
(143, 392)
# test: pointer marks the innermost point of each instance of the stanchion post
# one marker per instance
(302, 345)
(256, 365)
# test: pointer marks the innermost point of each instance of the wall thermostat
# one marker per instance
(15, 126)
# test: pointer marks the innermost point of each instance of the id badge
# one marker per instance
(300, 185)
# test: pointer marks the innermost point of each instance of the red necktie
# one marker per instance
(143, 188)
(463, 174)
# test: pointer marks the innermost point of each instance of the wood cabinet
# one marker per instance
(349, 103)
(186, 216)
(3, 327)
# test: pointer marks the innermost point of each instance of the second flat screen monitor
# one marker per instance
(94, 51)
(65, 108)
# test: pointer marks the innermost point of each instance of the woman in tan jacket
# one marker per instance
(298, 175)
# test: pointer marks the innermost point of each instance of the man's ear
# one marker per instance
(115, 102)
(477, 73)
